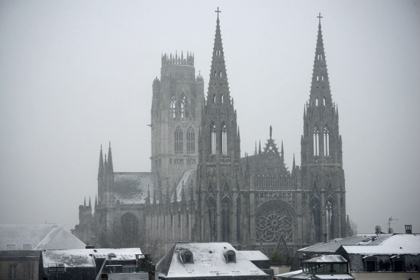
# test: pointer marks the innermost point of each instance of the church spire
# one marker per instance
(110, 165)
(218, 83)
(320, 88)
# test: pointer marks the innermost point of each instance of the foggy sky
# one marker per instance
(75, 75)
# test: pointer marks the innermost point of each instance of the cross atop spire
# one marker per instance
(317, 17)
(218, 11)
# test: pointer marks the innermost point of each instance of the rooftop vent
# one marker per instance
(230, 256)
(186, 256)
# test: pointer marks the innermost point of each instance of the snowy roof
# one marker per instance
(208, 261)
(37, 237)
(133, 187)
(332, 245)
(326, 259)
(299, 274)
(86, 257)
(254, 255)
(408, 244)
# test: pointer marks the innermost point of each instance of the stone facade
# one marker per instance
(201, 190)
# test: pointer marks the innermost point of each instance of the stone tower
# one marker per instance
(176, 114)
(218, 169)
(322, 161)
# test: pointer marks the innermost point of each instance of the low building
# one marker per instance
(371, 256)
(213, 260)
(21, 245)
(128, 263)
(332, 267)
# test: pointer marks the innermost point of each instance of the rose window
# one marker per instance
(274, 221)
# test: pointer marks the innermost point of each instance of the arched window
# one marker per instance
(215, 73)
(316, 141)
(173, 107)
(221, 98)
(324, 101)
(226, 219)
(326, 141)
(220, 74)
(179, 139)
(190, 141)
(214, 98)
(224, 140)
(316, 101)
(213, 139)
(130, 230)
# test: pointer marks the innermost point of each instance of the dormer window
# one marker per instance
(186, 256)
(230, 256)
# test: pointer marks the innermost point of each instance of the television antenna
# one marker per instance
(390, 230)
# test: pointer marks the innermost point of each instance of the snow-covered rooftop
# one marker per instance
(86, 257)
(208, 261)
(299, 274)
(326, 259)
(37, 237)
(254, 255)
(332, 245)
(133, 187)
(408, 244)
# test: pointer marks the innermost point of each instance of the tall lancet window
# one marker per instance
(316, 141)
(182, 103)
(326, 141)
(224, 140)
(213, 139)
(179, 140)
(329, 219)
(211, 208)
(190, 141)
(173, 107)
(226, 219)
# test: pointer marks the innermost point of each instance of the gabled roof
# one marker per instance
(37, 237)
(208, 261)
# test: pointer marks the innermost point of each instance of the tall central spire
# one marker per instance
(320, 87)
(218, 84)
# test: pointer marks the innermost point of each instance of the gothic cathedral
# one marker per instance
(200, 189)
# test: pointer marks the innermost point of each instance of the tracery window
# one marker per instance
(326, 141)
(190, 141)
(213, 139)
(179, 140)
(316, 141)
(273, 222)
(224, 140)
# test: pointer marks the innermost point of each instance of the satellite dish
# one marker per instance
(378, 230)
(390, 230)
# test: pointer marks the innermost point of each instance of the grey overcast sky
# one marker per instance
(78, 74)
